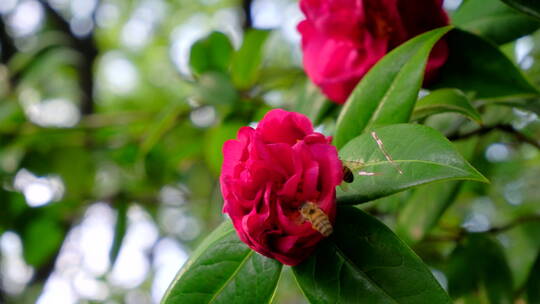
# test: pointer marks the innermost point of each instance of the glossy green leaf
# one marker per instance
(477, 66)
(388, 92)
(445, 100)
(479, 264)
(212, 53)
(364, 262)
(421, 153)
(224, 270)
(247, 61)
(529, 7)
(533, 283)
(494, 20)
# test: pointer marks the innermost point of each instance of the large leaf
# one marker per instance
(364, 262)
(479, 264)
(224, 270)
(247, 61)
(530, 7)
(388, 92)
(421, 153)
(494, 20)
(212, 53)
(445, 100)
(475, 65)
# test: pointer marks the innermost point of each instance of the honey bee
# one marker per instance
(348, 176)
(350, 165)
(318, 219)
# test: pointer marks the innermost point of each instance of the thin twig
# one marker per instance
(8, 48)
(248, 17)
(500, 127)
(89, 52)
(520, 220)
(461, 233)
(3, 294)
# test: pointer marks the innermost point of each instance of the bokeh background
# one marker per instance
(110, 144)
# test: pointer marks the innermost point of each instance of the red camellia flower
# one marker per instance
(343, 39)
(269, 173)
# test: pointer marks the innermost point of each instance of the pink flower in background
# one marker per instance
(268, 174)
(343, 39)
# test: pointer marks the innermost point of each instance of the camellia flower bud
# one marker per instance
(343, 39)
(270, 174)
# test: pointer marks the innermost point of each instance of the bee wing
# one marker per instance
(365, 173)
(300, 220)
(386, 154)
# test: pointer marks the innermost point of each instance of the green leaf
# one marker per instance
(224, 270)
(247, 61)
(215, 138)
(533, 283)
(493, 20)
(212, 53)
(120, 229)
(388, 92)
(421, 153)
(364, 262)
(479, 264)
(445, 100)
(477, 66)
(42, 239)
(423, 210)
(529, 7)
(215, 88)
(313, 104)
(524, 250)
(162, 124)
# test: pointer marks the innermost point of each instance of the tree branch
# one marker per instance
(520, 220)
(2, 292)
(500, 127)
(248, 17)
(8, 48)
(88, 50)
(461, 233)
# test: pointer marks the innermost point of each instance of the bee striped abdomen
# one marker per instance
(318, 219)
(322, 224)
